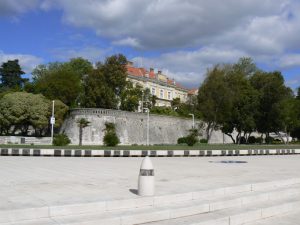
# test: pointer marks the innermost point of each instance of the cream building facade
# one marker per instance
(160, 85)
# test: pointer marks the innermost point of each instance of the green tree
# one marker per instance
(81, 66)
(244, 99)
(131, 97)
(214, 99)
(20, 110)
(272, 91)
(82, 123)
(60, 112)
(11, 74)
(62, 83)
(105, 84)
(96, 92)
(115, 73)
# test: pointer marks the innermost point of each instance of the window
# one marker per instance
(153, 91)
(169, 95)
(161, 95)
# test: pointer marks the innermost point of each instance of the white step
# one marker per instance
(14, 215)
(176, 210)
(291, 218)
(252, 214)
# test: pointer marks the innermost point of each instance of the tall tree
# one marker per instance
(81, 66)
(272, 91)
(115, 73)
(11, 74)
(63, 84)
(244, 100)
(97, 94)
(214, 99)
(105, 84)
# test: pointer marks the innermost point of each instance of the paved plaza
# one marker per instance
(39, 181)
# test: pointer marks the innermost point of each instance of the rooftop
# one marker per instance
(152, 75)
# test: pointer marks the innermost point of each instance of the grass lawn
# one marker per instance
(162, 147)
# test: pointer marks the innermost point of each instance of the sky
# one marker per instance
(183, 38)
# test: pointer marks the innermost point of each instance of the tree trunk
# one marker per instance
(80, 135)
(230, 135)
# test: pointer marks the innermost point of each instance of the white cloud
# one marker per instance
(289, 60)
(132, 42)
(15, 7)
(189, 67)
(27, 62)
(91, 53)
(175, 23)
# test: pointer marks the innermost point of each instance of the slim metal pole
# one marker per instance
(193, 116)
(52, 124)
(148, 118)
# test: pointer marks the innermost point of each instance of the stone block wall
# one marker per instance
(131, 127)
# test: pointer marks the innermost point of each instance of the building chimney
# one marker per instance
(159, 72)
(151, 70)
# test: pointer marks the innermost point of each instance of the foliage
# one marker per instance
(60, 112)
(163, 110)
(269, 140)
(214, 99)
(11, 73)
(131, 97)
(181, 140)
(115, 73)
(272, 91)
(110, 137)
(61, 140)
(82, 123)
(62, 83)
(251, 140)
(203, 141)
(20, 110)
(97, 93)
(103, 86)
(190, 139)
(81, 66)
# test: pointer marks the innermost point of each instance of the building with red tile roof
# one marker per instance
(164, 88)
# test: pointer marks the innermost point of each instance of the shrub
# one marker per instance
(242, 140)
(191, 140)
(269, 140)
(258, 140)
(61, 140)
(110, 138)
(181, 140)
(252, 140)
(203, 140)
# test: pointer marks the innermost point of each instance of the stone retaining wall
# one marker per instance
(131, 127)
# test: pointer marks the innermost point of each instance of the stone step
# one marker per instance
(175, 210)
(290, 218)
(252, 214)
(20, 214)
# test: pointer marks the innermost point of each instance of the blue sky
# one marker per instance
(181, 38)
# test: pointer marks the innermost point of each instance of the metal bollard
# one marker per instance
(146, 178)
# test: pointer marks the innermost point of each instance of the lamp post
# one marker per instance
(193, 116)
(148, 120)
(52, 122)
